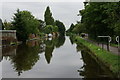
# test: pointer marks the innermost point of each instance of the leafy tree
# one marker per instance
(25, 23)
(7, 25)
(79, 28)
(54, 29)
(48, 17)
(61, 27)
(49, 29)
(71, 28)
(101, 19)
(41, 26)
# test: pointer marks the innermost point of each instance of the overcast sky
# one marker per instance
(63, 11)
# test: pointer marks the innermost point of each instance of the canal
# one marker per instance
(50, 58)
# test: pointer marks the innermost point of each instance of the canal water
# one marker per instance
(50, 58)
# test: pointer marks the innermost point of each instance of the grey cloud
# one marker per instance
(63, 11)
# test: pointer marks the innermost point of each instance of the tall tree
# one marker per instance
(48, 17)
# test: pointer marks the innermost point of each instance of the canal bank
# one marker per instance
(110, 60)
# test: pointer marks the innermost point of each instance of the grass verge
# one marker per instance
(111, 60)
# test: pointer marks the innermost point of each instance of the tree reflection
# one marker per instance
(50, 46)
(25, 58)
(60, 42)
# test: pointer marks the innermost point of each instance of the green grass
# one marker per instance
(111, 60)
(114, 45)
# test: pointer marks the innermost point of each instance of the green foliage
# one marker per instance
(71, 28)
(25, 23)
(79, 28)
(7, 25)
(99, 19)
(61, 27)
(49, 29)
(1, 25)
(41, 26)
(92, 18)
(109, 59)
(48, 17)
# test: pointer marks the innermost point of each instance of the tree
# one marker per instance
(79, 28)
(71, 28)
(41, 26)
(101, 19)
(1, 24)
(25, 23)
(49, 29)
(48, 17)
(61, 27)
(7, 25)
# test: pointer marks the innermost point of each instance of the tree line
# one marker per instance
(25, 24)
(98, 19)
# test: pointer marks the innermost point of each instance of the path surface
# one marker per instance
(114, 50)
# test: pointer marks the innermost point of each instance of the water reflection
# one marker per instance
(23, 57)
(51, 45)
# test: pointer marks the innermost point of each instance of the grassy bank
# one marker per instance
(109, 59)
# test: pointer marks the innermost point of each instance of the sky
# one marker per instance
(63, 11)
(42, 0)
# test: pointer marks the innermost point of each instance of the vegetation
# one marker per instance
(71, 28)
(109, 59)
(7, 25)
(61, 27)
(99, 19)
(52, 26)
(49, 29)
(49, 20)
(25, 23)
(0, 24)
(41, 26)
